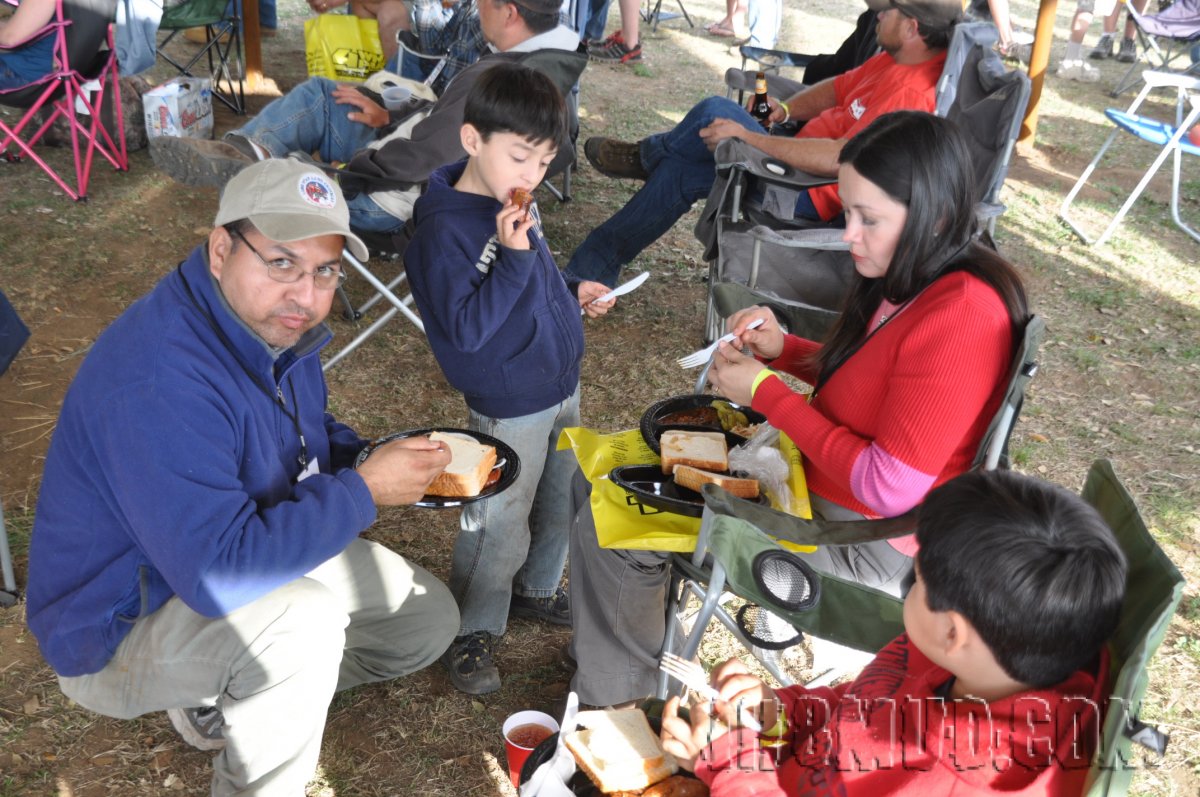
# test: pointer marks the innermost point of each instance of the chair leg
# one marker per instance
(8, 595)
(1141, 186)
(1175, 182)
(1064, 209)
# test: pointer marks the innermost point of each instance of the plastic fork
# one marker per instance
(701, 356)
(692, 675)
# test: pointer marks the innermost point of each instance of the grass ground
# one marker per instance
(1118, 380)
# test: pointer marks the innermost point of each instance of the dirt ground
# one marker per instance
(1119, 376)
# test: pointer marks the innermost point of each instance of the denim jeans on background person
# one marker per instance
(682, 171)
(763, 18)
(308, 119)
(590, 18)
(516, 542)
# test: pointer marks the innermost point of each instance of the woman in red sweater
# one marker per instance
(905, 387)
(916, 366)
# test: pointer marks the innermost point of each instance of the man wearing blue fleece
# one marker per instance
(196, 544)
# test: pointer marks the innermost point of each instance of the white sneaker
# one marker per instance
(1078, 70)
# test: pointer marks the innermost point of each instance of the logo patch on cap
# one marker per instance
(317, 190)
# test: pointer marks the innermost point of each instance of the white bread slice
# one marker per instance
(694, 478)
(703, 450)
(618, 751)
(470, 464)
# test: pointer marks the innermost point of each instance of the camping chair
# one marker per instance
(692, 576)
(1170, 140)
(564, 68)
(1164, 37)
(752, 190)
(731, 532)
(652, 12)
(85, 58)
(384, 250)
(222, 25)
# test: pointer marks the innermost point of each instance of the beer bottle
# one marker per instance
(760, 108)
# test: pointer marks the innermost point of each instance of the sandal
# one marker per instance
(717, 29)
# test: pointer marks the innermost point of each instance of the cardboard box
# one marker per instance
(180, 107)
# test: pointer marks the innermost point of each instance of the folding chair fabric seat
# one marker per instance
(221, 21)
(1171, 140)
(84, 54)
(1165, 37)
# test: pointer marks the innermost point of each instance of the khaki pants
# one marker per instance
(272, 666)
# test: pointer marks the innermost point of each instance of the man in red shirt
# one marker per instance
(678, 165)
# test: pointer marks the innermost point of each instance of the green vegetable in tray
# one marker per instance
(730, 418)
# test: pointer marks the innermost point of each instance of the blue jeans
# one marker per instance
(763, 18)
(590, 18)
(516, 542)
(682, 171)
(307, 119)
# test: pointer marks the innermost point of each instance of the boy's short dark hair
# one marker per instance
(1031, 565)
(511, 98)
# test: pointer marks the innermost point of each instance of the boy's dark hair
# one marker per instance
(1031, 565)
(511, 98)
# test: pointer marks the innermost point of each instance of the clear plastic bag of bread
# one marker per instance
(760, 458)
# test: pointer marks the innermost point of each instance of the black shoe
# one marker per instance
(1128, 53)
(556, 609)
(614, 158)
(469, 664)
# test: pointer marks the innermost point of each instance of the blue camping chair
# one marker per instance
(1170, 138)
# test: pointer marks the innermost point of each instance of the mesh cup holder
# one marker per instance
(792, 586)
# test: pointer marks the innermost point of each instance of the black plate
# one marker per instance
(652, 426)
(651, 487)
(508, 471)
(580, 784)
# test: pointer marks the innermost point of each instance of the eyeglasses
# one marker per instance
(325, 278)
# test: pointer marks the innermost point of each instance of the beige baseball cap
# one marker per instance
(288, 200)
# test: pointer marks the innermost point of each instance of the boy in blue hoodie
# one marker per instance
(505, 327)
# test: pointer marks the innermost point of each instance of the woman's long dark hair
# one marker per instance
(921, 161)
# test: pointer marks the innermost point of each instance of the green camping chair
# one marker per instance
(732, 534)
(222, 25)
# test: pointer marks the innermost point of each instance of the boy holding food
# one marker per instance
(997, 684)
(505, 328)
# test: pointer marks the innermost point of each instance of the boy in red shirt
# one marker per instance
(995, 686)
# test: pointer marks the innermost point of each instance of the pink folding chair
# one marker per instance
(83, 54)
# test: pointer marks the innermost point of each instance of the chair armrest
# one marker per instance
(774, 58)
(777, 86)
(733, 152)
(828, 239)
(1158, 79)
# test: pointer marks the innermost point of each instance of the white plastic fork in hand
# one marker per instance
(692, 675)
(701, 356)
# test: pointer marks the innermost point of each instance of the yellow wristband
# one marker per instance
(787, 114)
(758, 380)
